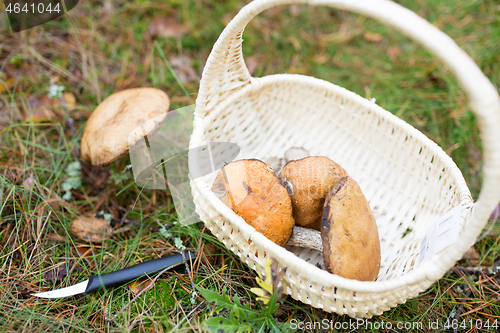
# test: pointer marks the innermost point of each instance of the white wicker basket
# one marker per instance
(408, 180)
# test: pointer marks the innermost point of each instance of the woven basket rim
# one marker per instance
(425, 270)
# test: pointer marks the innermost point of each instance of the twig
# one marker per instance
(185, 316)
(190, 307)
(461, 307)
(189, 271)
(495, 269)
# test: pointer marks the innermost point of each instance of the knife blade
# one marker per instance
(117, 278)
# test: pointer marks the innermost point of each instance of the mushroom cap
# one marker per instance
(351, 245)
(107, 134)
(308, 182)
(253, 192)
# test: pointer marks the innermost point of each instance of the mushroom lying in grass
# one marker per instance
(106, 135)
(252, 191)
(308, 182)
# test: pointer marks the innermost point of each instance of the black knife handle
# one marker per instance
(149, 268)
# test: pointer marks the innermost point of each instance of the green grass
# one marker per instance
(95, 53)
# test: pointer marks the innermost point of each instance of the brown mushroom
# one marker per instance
(308, 182)
(252, 191)
(351, 245)
(106, 137)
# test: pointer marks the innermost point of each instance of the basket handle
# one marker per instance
(225, 72)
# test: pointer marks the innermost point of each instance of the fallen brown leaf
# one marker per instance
(295, 10)
(69, 99)
(57, 238)
(6, 85)
(372, 37)
(166, 27)
(40, 109)
(140, 285)
(394, 51)
(29, 181)
(321, 58)
(183, 68)
(227, 17)
(345, 33)
(275, 11)
(85, 251)
(90, 228)
(212, 255)
(472, 255)
(44, 108)
(60, 271)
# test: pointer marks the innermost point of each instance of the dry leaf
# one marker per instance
(140, 285)
(68, 98)
(29, 181)
(372, 37)
(295, 10)
(209, 253)
(44, 108)
(57, 238)
(166, 27)
(321, 58)
(183, 68)
(85, 251)
(212, 255)
(394, 51)
(275, 11)
(90, 228)
(39, 109)
(60, 271)
(472, 255)
(54, 79)
(6, 85)
(227, 17)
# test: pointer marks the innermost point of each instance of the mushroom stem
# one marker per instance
(306, 237)
(295, 153)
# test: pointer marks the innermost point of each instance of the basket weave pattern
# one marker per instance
(408, 180)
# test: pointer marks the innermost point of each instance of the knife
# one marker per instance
(117, 278)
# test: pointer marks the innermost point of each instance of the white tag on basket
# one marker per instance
(441, 234)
